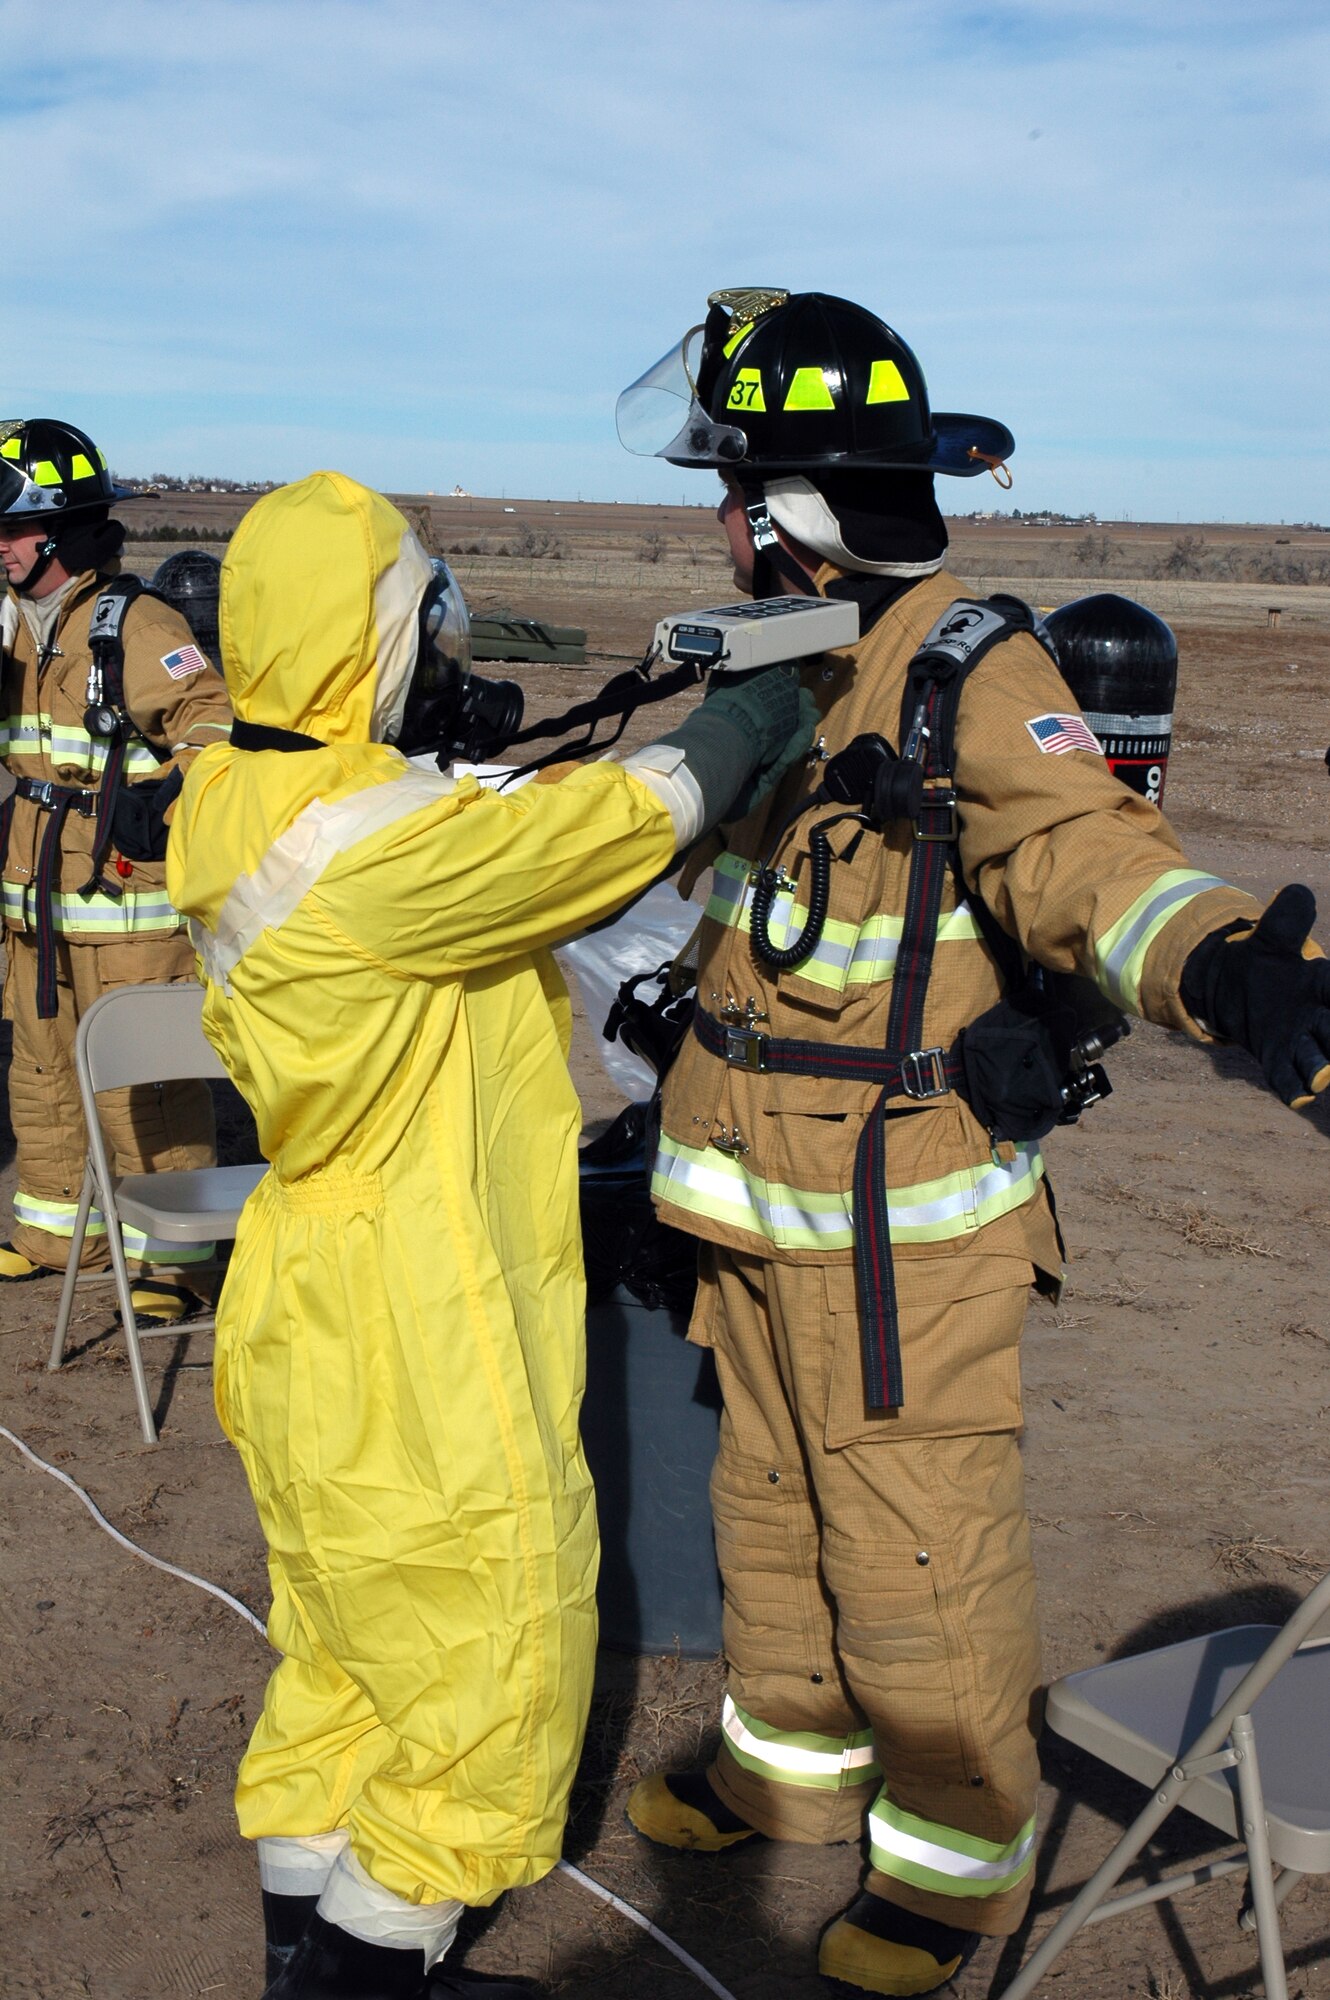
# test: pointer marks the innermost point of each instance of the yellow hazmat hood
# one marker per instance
(321, 591)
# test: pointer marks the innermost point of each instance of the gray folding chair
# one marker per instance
(146, 1034)
(1235, 1727)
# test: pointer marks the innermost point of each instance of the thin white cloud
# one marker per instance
(425, 226)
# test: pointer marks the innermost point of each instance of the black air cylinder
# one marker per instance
(1121, 663)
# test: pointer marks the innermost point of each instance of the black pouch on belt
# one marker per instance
(1013, 1072)
(138, 822)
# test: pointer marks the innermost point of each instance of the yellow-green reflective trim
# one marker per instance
(746, 393)
(798, 1757)
(65, 743)
(845, 954)
(80, 467)
(10, 448)
(941, 1858)
(1121, 952)
(46, 472)
(57, 1218)
(721, 1187)
(808, 391)
(886, 384)
(136, 911)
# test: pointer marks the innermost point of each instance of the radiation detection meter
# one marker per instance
(742, 638)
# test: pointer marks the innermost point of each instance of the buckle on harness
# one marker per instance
(41, 792)
(744, 1048)
(924, 1073)
(938, 818)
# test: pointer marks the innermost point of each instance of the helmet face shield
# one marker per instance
(661, 414)
(21, 500)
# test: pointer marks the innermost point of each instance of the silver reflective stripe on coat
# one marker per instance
(263, 900)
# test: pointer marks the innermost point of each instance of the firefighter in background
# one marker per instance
(880, 1624)
(79, 921)
(400, 1341)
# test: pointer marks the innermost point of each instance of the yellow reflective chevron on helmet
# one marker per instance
(10, 448)
(808, 390)
(80, 467)
(886, 384)
(746, 393)
(46, 473)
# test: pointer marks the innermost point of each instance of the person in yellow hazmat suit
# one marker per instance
(399, 1342)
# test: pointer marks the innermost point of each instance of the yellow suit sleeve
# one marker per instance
(488, 876)
(1086, 874)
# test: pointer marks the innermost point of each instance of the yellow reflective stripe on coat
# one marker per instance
(1120, 953)
(135, 911)
(264, 899)
(798, 1757)
(57, 1218)
(845, 954)
(708, 1182)
(940, 1858)
(66, 743)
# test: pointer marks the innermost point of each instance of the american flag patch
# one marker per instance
(1056, 734)
(184, 661)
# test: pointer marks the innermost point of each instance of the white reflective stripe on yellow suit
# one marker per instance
(845, 954)
(263, 900)
(940, 1858)
(711, 1183)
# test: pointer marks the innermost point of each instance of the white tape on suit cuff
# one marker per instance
(662, 768)
(355, 1902)
(298, 1864)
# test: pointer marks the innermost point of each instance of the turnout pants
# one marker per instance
(148, 1128)
(880, 1620)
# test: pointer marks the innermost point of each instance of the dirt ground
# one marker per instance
(1176, 1412)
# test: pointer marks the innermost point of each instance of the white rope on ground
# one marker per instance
(185, 1575)
(635, 1916)
(586, 1882)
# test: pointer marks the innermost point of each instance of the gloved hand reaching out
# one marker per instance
(728, 754)
(1268, 989)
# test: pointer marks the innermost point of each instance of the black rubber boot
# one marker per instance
(330, 1964)
(285, 1919)
(464, 1985)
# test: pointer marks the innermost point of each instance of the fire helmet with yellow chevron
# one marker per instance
(791, 397)
(51, 473)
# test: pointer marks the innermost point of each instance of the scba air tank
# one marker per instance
(1121, 663)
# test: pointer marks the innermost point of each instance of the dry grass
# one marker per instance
(1252, 1555)
(1200, 1227)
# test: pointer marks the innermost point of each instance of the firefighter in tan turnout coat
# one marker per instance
(81, 916)
(879, 1598)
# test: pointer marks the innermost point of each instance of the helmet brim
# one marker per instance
(968, 445)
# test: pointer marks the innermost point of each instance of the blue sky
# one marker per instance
(428, 241)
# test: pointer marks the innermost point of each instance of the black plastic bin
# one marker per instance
(649, 1421)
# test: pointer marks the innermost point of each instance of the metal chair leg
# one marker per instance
(61, 1333)
(129, 1323)
(1256, 1834)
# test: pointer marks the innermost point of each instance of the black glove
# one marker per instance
(138, 822)
(1258, 990)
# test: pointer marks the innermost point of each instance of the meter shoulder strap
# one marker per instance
(106, 691)
(967, 631)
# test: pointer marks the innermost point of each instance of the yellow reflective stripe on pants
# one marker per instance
(798, 1757)
(941, 1859)
(128, 915)
(57, 1218)
(66, 743)
(846, 954)
(711, 1183)
(1121, 952)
